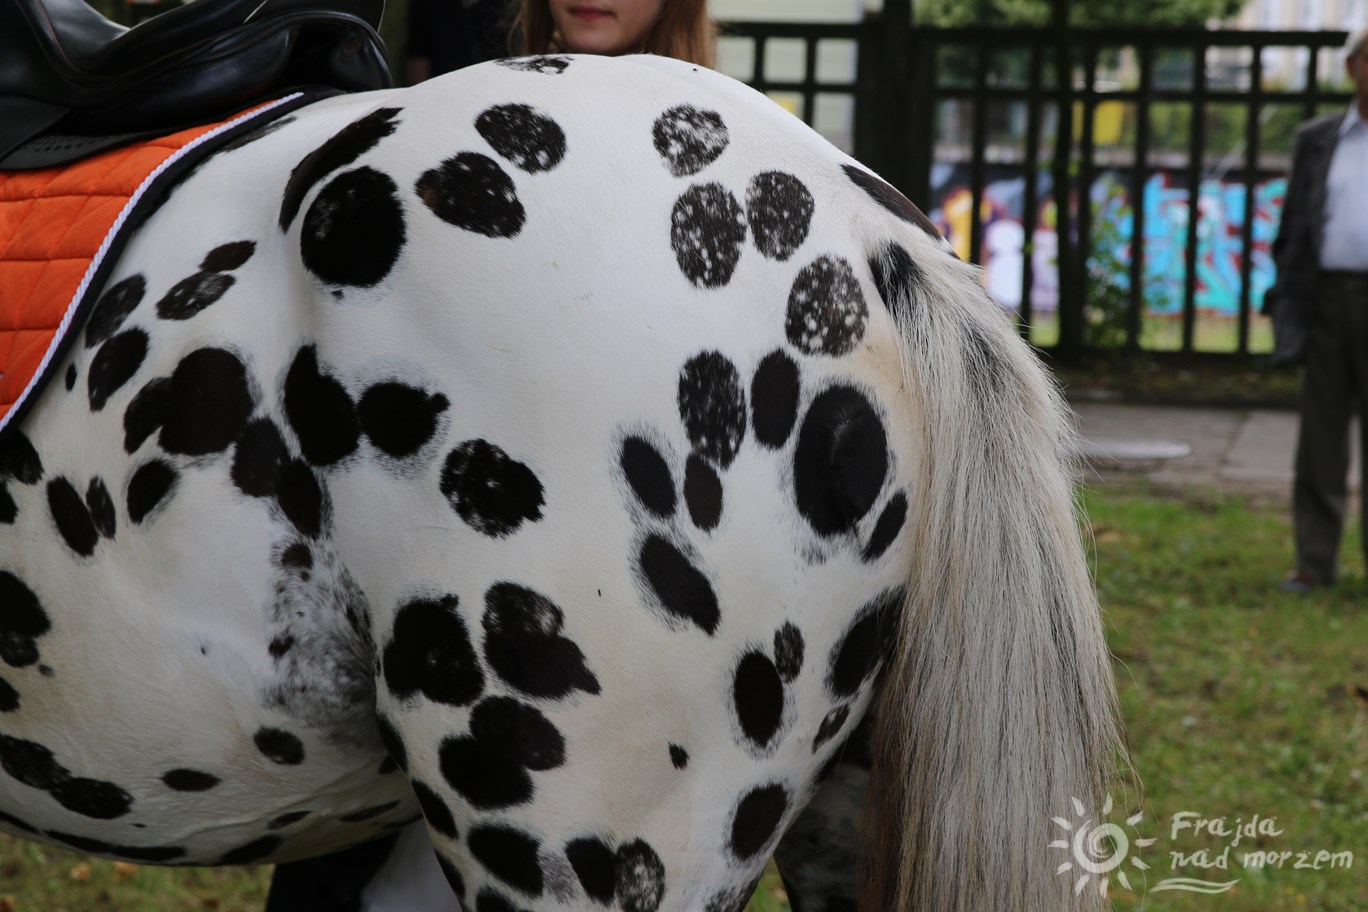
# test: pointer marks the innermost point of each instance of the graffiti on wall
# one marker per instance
(1221, 217)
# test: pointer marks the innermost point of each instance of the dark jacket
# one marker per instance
(1296, 252)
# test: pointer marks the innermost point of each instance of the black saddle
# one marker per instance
(67, 72)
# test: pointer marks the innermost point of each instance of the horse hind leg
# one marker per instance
(817, 855)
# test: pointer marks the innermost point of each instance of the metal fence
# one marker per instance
(1112, 117)
(1143, 169)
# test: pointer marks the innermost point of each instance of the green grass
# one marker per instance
(1238, 700)
(1210, 332)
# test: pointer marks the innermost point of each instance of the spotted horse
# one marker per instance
(579, 454)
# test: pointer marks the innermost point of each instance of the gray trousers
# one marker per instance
(1334, 387)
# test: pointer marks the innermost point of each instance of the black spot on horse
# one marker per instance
(887, 527)
(860, 648)
(9, 697)
(114, 306)
(320, 411)
(706, 233)
(114, 364)
(279, 746)
(493, 901)
(689, 139)
(340, 150)
(399, 419)
(35, 766)
(594, 865)
(20, 825)
(259, 459)
(788, 651)
(300, 498)
(831, 726)
(712, 405)
(19, 460)
(529, 139)
(703, 493)
(369, 813)
(507, 738)
(149, 854)
(679, 757)
(649, 475)
(429, 652)
(72, 517)
(297, 557)
(101, 507)
(544, 64)
(263, 467)
(227, 257)
(286, 819)
(188, 780)
(510, 855)
(779, 210)
(149, 487)
(394, 745)
(492, 492)
(280, 645)
(640, 877)
(453, 878)
(30, 764)
(887, 196)
(354, 229)
(208, 403)
(9, 510)
(252, 852)
(758, 694)
(774, 399)
(146, 413)
(435, 810)
(896, 276)
(826, 309)
(684, 592)
(521, 731)
(70, 380)
(756, 820)
(22, 620)
(523, 643)
(472, 192)
(840, 462)
(191, 295)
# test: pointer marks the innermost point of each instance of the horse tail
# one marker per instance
(998, 708)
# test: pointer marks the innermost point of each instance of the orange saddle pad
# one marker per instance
(61, 230)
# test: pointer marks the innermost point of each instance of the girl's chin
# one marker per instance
(593, 44)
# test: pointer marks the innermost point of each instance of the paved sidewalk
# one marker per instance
(1248, 451)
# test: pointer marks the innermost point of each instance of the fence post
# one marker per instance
(1071, 303)
(897, 159)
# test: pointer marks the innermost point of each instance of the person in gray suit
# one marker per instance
(1319, 306)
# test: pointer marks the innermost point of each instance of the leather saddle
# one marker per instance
(73, 83)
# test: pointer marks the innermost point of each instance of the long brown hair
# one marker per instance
(684, 31)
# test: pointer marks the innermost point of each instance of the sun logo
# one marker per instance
(1098, 850)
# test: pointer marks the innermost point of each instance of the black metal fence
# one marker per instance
(1120, 187)
(1125, 128)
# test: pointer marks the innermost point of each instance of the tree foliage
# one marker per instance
(1166, 13)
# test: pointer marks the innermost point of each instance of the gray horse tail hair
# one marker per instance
(998, 706)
